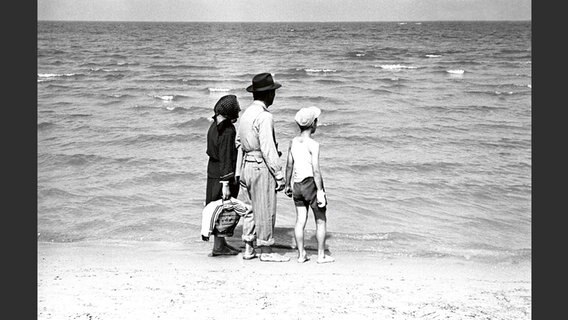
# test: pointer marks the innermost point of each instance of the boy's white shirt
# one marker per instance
(309, 143)
(302, 153)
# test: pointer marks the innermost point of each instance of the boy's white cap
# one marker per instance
(306, 116)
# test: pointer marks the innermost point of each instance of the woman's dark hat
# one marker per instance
(228, 106)
(263, 82)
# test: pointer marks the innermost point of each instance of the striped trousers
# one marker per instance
(258, 189)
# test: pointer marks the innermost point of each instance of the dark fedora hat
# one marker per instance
(263, 82)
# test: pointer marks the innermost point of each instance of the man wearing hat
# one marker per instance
(260, 172)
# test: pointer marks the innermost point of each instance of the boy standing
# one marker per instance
(303, 169)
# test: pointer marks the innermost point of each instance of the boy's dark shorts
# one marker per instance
(305, 192)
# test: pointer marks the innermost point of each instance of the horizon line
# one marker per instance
(323, 21)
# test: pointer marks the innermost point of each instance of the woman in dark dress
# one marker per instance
(222, 152)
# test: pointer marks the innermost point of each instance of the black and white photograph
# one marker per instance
(247, 159)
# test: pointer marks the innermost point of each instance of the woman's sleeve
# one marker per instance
(227, 154)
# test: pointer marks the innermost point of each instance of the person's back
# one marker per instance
(221, 181)
(260, 171)
(301, 149)
(248, 129)
(307, 189)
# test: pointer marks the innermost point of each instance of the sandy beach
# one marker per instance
(161, 280)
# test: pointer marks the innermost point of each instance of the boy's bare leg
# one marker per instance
(301, 219)
(320, 236)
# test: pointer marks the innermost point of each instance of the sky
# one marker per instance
(282, 10)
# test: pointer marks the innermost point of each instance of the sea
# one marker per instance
(425, 130)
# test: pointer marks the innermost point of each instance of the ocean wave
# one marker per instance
(394, 67)
(144, 139)
(466, 62)
(382, 91)
(503, 92)
(313, 70)
(298, 73)
(171, 107)
(114, 76)
(57, 75)
(78, 115)
(329, 81)
(464, 109)
(194, 82)
(176, 108)
(183, 67)
(196, 123)
(408, 166)
(160, 177)
(119, 95)
(97, 66)
(479, 255)
(505, 85)
(60, 237)
(127, 63)
(359, 55)
(391, 79)
(170, 97)
(314, 100)
(218, 89)
(141, 107)
(523, 75)
(165, 97)
(491, 92)
(69, 159)
(509, 50)
(507, 143)
(379, 236)
(63, 160)
(102, 70)
(89, 64)
(113, 56)
(49, 52)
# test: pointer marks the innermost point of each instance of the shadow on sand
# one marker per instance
(283, 240)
